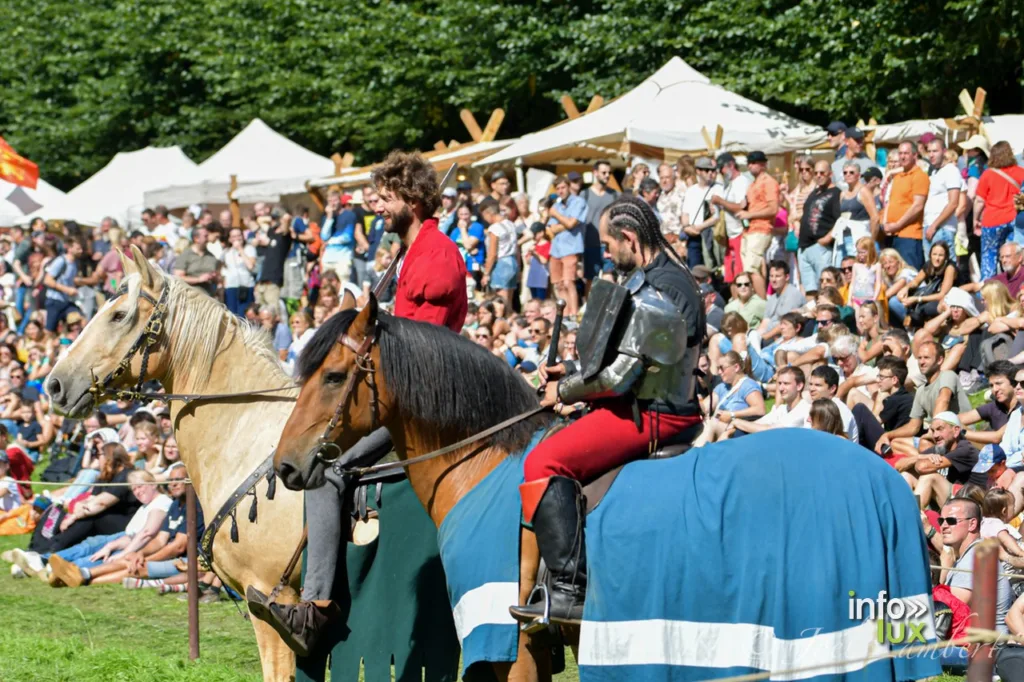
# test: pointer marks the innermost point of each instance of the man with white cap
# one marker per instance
(951, 452)
(977, 149)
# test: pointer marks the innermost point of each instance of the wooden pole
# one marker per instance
(192, 552)
(314, 194)
(236, 210)
(983, 605)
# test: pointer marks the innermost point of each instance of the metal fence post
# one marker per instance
(193, 573)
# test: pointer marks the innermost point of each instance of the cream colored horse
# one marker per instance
(204, 349)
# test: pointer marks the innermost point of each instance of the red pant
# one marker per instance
(600, 441)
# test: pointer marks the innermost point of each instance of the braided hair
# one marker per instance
(628, 212)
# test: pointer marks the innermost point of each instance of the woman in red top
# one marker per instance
(994, 210)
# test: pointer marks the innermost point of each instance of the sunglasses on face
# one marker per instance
(1017, 383)
(824, 323)
(949, 520)
(848, 268)
(849, 172)
(822, 174)
(806, 170)
(742, 284)
(538, 332)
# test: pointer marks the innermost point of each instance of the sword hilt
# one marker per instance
(556, 332)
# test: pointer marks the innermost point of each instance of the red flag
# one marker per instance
(15, 168)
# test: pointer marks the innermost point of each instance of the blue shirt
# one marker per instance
(339, 236)
(568, 242)
(64, 271)
(473, 262)
(174, 522)
(737, 399)
(282, 337)
(374, 236)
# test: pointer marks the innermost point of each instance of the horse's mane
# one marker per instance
(198, 323)
(440, 378)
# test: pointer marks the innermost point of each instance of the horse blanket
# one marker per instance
(738, 557)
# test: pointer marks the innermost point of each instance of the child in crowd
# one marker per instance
(866, 280)
(537, 254)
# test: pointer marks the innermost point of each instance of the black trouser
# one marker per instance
(324, 509)
(868, 426)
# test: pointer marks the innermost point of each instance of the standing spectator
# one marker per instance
(374, 235)
(566, 227)
(945, 184)
(575, 182)
(273, 246)
(61, 282)
(837, 138)
(762, 206)
(449, 198)
(500, 185)
(699, 214)
(732, 201)
(821, 210)
(905, 210)
(649, 193)
(598, 196)
(670, 203)
(239, 272)
(859, 201)
(197, 266)
(977, 149)
(854, 145)
(338, 233)
(501, 269)
(994, 211)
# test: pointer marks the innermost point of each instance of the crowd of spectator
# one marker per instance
(879, 302)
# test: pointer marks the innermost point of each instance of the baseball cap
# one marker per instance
(855, 134)
(498, 175)
(705, 163)
(706, 289)
(450, 192)
(464, 186)
(700, 271)
(989, 456)
(756, 157)
(948, 417)
(725, 158)
(927, 137)
(871, 173)
(836, 127)
(573, 176)
(346, 199)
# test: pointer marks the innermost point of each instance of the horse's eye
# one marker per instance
(119, 316)
(334, 377)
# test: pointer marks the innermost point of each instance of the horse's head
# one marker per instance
(119, 333)
(343, 397)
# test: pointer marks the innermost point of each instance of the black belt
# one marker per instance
(230, 507)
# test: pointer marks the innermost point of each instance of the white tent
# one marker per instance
(17, 204)
(117, 189)
(258, 154)
(666, 111)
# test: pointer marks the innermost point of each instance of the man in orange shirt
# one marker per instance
(905, 210)
(762, 205)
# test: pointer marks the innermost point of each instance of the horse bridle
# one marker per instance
(145, 343)
(326, 449)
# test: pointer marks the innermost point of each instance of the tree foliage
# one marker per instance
(82, 81)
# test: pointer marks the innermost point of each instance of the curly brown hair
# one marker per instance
(1002, 155)
(411, 177)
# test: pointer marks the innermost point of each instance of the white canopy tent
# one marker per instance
(18, 204)
(666, 111)
(117, 189)
(257, 155)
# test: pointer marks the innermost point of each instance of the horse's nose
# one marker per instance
(290, 476)
(56, 391)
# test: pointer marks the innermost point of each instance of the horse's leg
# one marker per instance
(277, 660)
(533, 660)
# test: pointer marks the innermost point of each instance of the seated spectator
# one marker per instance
(737, 397)
(942, 393)
(749, 305)
(712, 313)
(302, 332)
(824, 416)
(859, 380)
(789, 410)
(992, 463)
(833, 297)
(869, 327)
(146, 451)
(896, 342)
(71, 567)
(821, 350)
(270, 320)
(734, 337)
(996, 412)
(921, 297)
(29, 432)
(1012, 441)
(891, 406)
(896, 275)
(784, 298)
(951, 452)
(22, 520)
(822, 385)
(10, 494)
(997, 512)
(959, 331)
(1010, 257)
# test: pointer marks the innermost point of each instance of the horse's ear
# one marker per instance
(366, 320)
(145, 269)
(128, 266)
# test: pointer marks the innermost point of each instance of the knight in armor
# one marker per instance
(639, 343)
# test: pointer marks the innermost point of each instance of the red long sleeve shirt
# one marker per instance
(432, 280)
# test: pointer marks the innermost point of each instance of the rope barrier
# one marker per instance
(68, 484)
(970, 570)
(974, 636)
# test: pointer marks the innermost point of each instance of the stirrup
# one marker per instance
(543, 622)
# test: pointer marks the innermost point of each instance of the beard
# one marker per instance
(400, 221)
(624, 261)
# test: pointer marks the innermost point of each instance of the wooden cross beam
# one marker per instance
(471, 125)
(570, 107)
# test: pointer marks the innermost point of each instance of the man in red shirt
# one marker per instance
(431, 288)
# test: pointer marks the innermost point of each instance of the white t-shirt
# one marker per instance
(736, 193)
(991, 527)
(693, 201)
(236, 274)
(506, 233)
(943, 180)
(849, 425)
(13, 497)
(781, 416)
(865, 370)
(138, 522)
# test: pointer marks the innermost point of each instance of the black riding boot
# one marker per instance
(558, 524)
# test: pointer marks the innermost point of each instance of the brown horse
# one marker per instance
(459, 390)
(202, 349)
